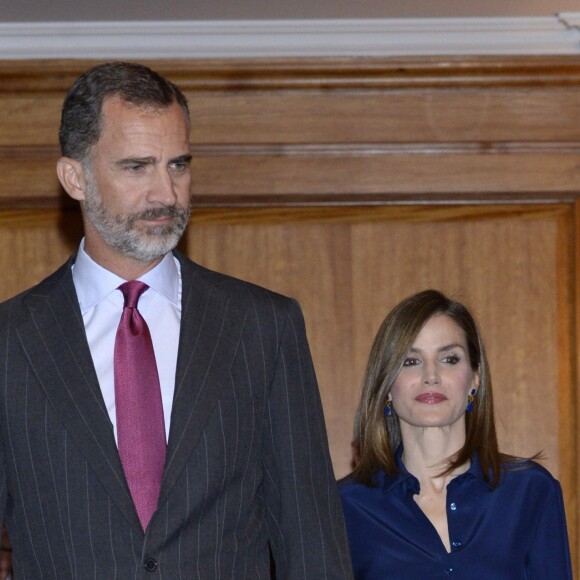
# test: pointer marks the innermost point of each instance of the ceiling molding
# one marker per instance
(558, 34)
(570, 19)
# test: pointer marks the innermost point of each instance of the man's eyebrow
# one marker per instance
(186, 158)
(137, 161)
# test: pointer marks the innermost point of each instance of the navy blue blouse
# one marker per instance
(517, 530)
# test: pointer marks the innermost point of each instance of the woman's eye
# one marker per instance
(411, 361)
(452, 359)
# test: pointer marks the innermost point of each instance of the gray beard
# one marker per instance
(119, 232)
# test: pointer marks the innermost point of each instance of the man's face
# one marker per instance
(137, 194)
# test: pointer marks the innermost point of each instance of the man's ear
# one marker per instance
(72, 177)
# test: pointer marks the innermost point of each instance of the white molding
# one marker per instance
(570, 19)
(558, 34)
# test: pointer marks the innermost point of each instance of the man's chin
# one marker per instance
(158, 230)
(149, 247)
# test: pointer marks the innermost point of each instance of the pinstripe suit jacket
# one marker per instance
(247, 469)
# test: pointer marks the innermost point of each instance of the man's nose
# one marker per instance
(163, 189)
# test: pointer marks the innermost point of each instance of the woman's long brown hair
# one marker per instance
(379, 436)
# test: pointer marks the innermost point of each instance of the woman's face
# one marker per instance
(432, 387)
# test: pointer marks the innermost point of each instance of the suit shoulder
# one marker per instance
(241, 291)
(44, 287)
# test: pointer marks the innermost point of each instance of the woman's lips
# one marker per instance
(431, 398)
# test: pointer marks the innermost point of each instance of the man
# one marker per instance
(170, 427)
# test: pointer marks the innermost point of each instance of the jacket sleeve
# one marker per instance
(304, 514)
(5, 549)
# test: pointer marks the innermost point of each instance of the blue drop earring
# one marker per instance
(471, 399)
(388, 409)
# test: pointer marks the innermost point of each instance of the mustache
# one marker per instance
(161, 212)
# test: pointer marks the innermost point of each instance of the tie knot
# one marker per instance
(132, 291)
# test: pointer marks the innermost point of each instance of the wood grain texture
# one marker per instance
(33, 244)
(382, 116)
(574, 316)
(384, 176)
(334, 130)
(336, 176)
(56, 75)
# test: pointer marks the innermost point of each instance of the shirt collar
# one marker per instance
(475, 471)
(94, 283)
(403, 477)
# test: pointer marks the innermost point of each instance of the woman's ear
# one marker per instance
(72, 177)
(475, 380)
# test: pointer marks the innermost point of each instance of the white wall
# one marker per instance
(107, 10)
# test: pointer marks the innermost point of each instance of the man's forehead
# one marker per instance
(123, 120)
(116, 106)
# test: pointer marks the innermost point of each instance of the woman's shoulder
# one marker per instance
(350, 489)
(349, 485)
(527, 473)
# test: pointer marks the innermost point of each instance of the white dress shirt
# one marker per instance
(101, 305)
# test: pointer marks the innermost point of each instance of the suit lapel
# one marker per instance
(210, 332)
(54, 341)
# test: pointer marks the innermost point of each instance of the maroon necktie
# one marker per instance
(140, 423)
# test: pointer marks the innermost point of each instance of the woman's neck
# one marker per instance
(426, 452)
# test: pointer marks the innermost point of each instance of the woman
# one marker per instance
(430, 495)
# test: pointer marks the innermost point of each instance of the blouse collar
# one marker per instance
(410, 482)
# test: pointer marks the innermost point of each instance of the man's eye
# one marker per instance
(179, 165)
(135, 167)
